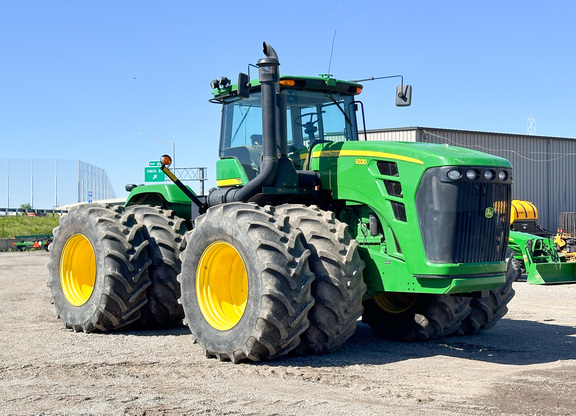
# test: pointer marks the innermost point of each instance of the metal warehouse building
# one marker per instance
(544, 167)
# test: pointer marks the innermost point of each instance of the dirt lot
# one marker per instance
(525, 365)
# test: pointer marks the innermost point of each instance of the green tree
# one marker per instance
(26, 206)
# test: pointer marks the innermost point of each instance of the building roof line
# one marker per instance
(419, 128)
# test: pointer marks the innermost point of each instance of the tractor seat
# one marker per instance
(256, 139)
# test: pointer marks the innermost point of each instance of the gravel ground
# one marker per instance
(526, 365)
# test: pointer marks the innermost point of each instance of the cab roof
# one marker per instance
(324, 82)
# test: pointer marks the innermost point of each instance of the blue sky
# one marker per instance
(81, 79)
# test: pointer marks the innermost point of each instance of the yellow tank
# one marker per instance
(523, 211)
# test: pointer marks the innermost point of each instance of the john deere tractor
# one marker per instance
(308, 229)
(535, 250)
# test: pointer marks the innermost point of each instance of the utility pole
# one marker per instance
(7, 187)
(32, 183)
(55, 183)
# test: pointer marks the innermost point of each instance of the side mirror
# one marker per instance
(403, 95)
(243, 85)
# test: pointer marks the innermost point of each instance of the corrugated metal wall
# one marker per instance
(395, 135)
(544, 167)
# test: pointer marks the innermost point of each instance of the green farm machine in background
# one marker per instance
(308, 230)
(535, 250)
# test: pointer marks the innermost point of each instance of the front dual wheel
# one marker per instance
(419, 317)
(246, 284)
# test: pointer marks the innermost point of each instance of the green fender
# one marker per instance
(167, 196)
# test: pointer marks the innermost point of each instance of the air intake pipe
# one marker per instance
(269, 77)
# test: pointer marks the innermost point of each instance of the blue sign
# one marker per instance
(90, 197)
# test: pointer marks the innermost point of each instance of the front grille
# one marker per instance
(463, 221)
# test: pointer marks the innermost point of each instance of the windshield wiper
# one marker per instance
(240, 124)
(339, 108)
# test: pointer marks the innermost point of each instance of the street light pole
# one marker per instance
(167, 143)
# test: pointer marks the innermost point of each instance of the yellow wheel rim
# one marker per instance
(221, 285)
(395, 302)
(77, 270)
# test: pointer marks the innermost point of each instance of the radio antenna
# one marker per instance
(331, 51)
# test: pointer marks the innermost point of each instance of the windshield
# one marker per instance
(310, 115)
(318, 116)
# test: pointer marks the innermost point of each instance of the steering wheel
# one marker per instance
(309, 128)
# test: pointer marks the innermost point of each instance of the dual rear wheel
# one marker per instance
(114, 267)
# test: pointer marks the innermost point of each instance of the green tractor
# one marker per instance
(535, 250)
(538, 258)
(308, 229)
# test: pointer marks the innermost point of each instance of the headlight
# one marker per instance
(454, 174)
(477, 174)
(471, 174)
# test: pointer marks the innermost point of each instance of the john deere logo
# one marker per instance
(489, 212)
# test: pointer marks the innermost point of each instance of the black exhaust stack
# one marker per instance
(269, 77)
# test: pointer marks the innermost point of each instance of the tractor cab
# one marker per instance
(311, 111)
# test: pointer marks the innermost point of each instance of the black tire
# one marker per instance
(165, 234)
(98, 269)
(518, 267)
(245, 283)
(415, 317)
(338, 286)
(487, 311)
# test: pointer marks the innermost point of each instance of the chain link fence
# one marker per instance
(50, 183)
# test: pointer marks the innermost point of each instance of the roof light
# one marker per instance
(224, 82)
(287, 82)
